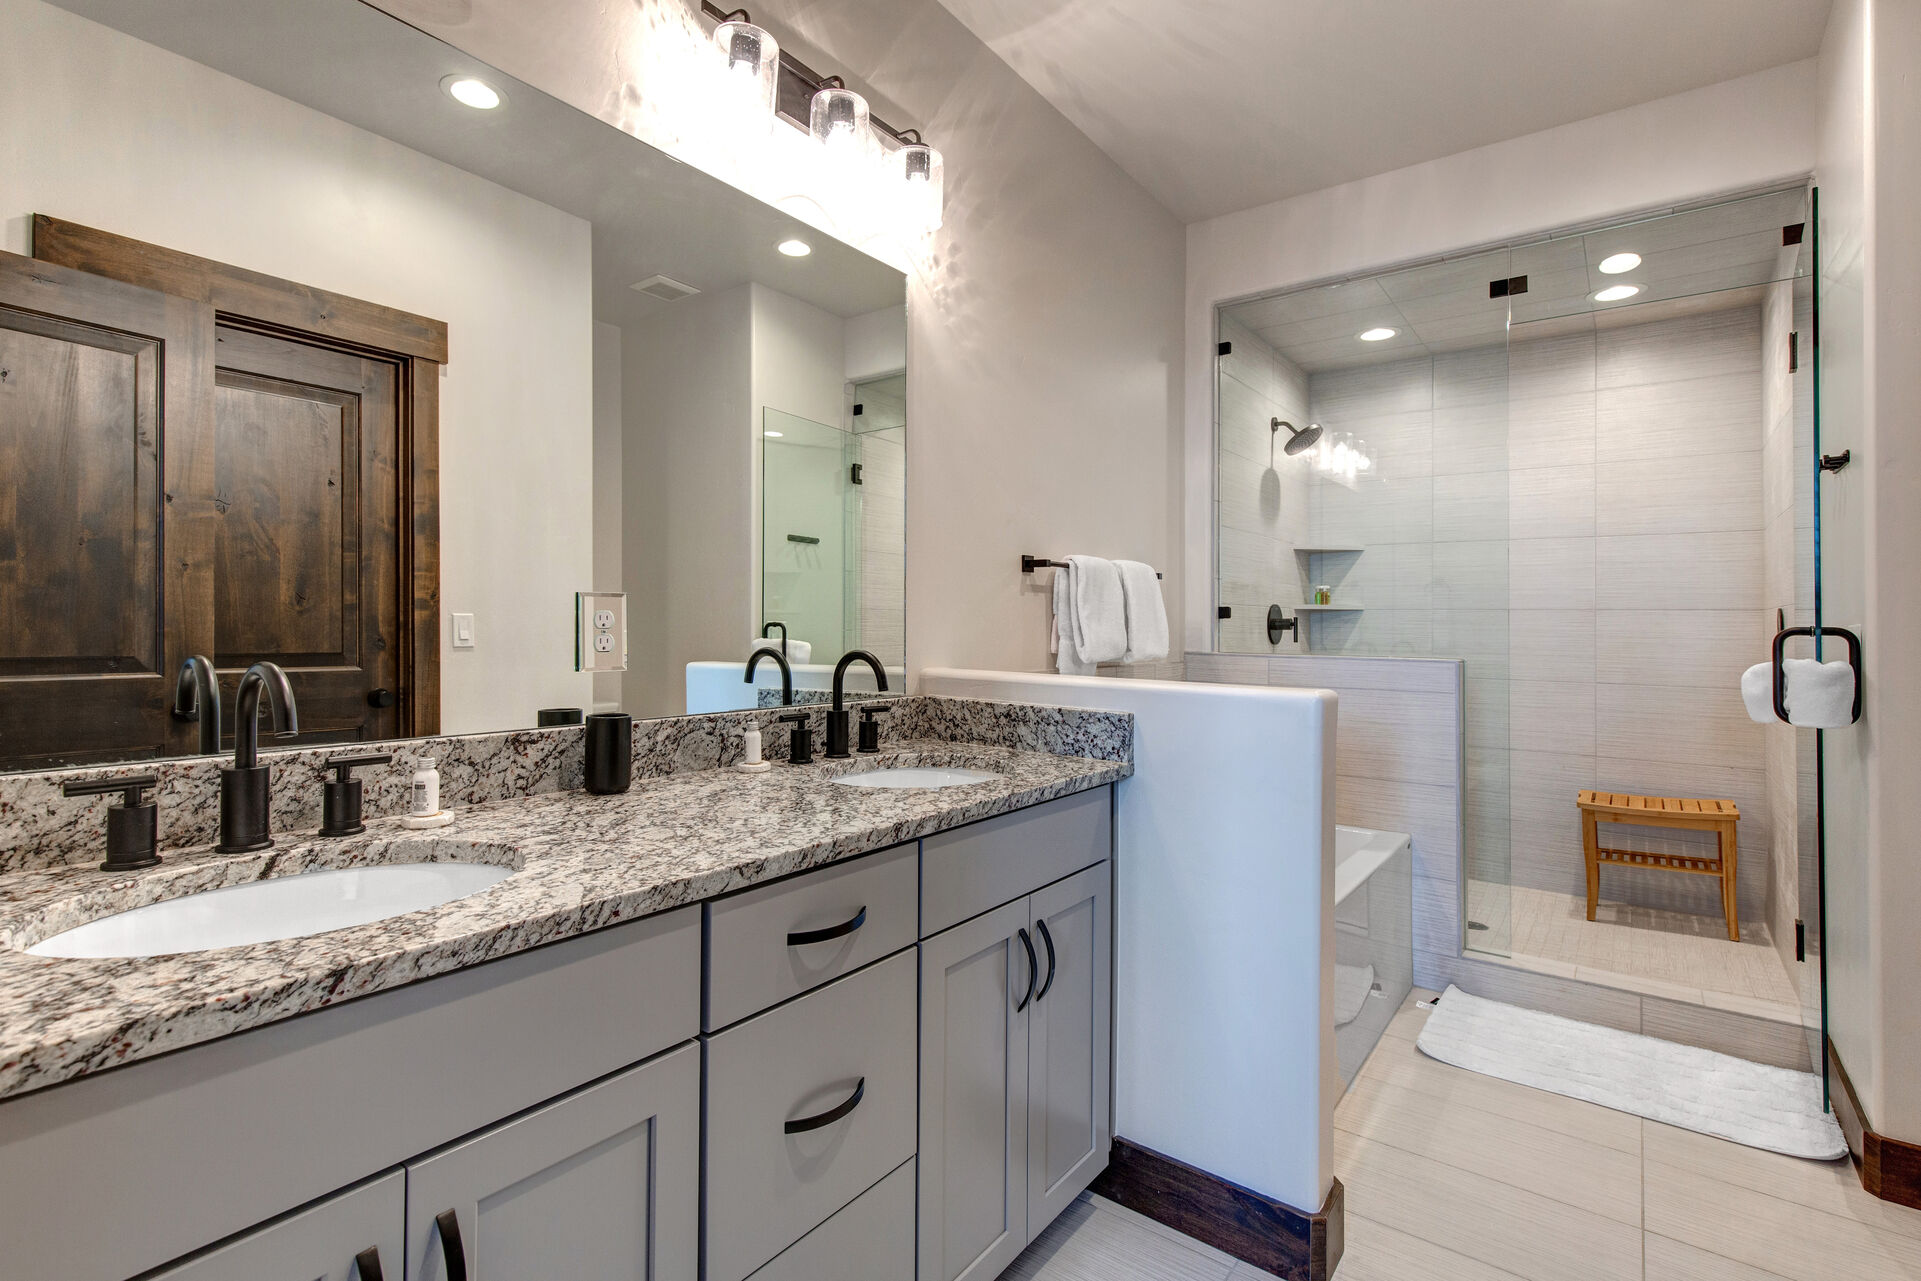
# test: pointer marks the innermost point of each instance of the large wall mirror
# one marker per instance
(324, 344)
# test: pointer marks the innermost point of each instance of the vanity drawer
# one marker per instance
(870, 1240)
(766, 1187)
(972, 869)
(753, 960)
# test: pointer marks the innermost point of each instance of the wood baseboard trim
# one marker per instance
(1258, 1230)
(1890, 1168)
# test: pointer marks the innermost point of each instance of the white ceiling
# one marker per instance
(650, 213)
(1220, 105)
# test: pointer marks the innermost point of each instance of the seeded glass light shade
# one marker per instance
(752, 61)
(838, 121)
(921, 172)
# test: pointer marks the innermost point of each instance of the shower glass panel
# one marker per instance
(1386, 537)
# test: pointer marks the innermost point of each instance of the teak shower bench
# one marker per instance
(1714, 816)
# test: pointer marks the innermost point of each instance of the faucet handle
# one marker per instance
(800, 739)
(340, 809)
(133, 826)
(870, 725)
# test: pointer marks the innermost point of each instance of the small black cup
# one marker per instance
(610, 753)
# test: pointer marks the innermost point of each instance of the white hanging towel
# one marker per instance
(1090, 615)
(1146, 613)
(1818, 695)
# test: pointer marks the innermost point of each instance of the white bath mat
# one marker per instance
(1764, 1107)
(1352, 983)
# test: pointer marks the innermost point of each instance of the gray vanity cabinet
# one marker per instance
(1015, 1063)
(602, 1185)
(354, 1236)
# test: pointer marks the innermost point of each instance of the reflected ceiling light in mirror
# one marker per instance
(795, 248)
(1615, 293)
(773, 435)
(469, 91)
(1615, 264)
(751, 61)
(1380, 333)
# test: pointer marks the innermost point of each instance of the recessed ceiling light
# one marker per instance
(1615, 293)
(1615, 264)
(795, 248)
(774, 434)
(469, 92)
(1381, 334)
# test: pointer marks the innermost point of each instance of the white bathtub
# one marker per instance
(1373, 938)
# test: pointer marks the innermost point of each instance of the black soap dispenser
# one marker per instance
(133, 826)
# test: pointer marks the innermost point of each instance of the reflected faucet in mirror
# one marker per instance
(244, 815)
(768, 627)
(837, 729)
(196, 697)
(786, 672)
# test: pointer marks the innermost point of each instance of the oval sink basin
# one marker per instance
(281, 907)
(917, 776)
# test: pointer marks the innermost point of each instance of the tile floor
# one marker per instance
(1451, 1175)
(1660, 953)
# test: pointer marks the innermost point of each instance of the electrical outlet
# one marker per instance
(600, 632)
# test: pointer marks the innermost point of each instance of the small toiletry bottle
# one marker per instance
(750, 752)
(426, 789)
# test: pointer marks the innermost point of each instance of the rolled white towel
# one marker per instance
(1146, 613)
(1757, 691)
(1819, 695)
(798, 651)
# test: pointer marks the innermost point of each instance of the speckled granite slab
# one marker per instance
(583, 862)
(40, 828)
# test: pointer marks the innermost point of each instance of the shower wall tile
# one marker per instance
(1546, 825)
(1679, 571)
(1226, 669)
(1438, 676)
(1470, 438)
(1712, 493)
(1551, 716)
(1683, 419)
(1551, 573)
(1551, 645)
(1471, 507)
(1665, 722)
(1345, 395)
(1545, 367)
(1402, 445)
(1470, 575)
(1693, 647)
(1428, 813)
(1552, 502)
(1478, 377)
(1552, 431)
(1696, 346)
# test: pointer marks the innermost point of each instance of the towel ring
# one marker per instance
(1781, 639)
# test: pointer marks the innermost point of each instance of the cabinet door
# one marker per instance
(355, 1236)
(1068, 1043)
(973, 1097)
(603, 1185)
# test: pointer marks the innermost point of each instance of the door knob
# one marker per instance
(380, 698)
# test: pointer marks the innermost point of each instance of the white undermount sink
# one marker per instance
(281, 907)
(917, 776)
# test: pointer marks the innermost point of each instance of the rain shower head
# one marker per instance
(1300, 439)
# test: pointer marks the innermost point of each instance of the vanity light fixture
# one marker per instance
(1380, 333)
(469, 91)
(1615, 293)
(922, 172)
(795, 248)
(752, 75)
(838, 119)
(1615, 264)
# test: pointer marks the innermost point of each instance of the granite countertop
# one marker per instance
(584, 862)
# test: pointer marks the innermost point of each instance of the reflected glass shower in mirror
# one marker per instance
(323, 366)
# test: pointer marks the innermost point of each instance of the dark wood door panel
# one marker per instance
(106, 513)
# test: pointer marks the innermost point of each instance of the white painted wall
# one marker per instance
(1044, 317)
(1870, 177)
(608, 433)
(877, 343)
(105, 130)
(1224, 921)
(1740, 134)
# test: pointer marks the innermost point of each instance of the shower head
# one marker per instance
(1300, 439)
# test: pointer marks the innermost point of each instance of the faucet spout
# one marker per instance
(262, 677)
(196, 697)
(786, 672)
(837, 728)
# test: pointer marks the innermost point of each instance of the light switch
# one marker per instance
(463, 631)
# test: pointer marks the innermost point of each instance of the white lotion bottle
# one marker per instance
(750, 743)
(426, 802)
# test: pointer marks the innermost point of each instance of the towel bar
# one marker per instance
(1780, 673)
(1031, 563)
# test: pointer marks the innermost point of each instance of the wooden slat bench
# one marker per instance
(1699, 815)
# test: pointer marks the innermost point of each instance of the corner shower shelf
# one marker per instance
(1327, 609)
(1329, 551)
